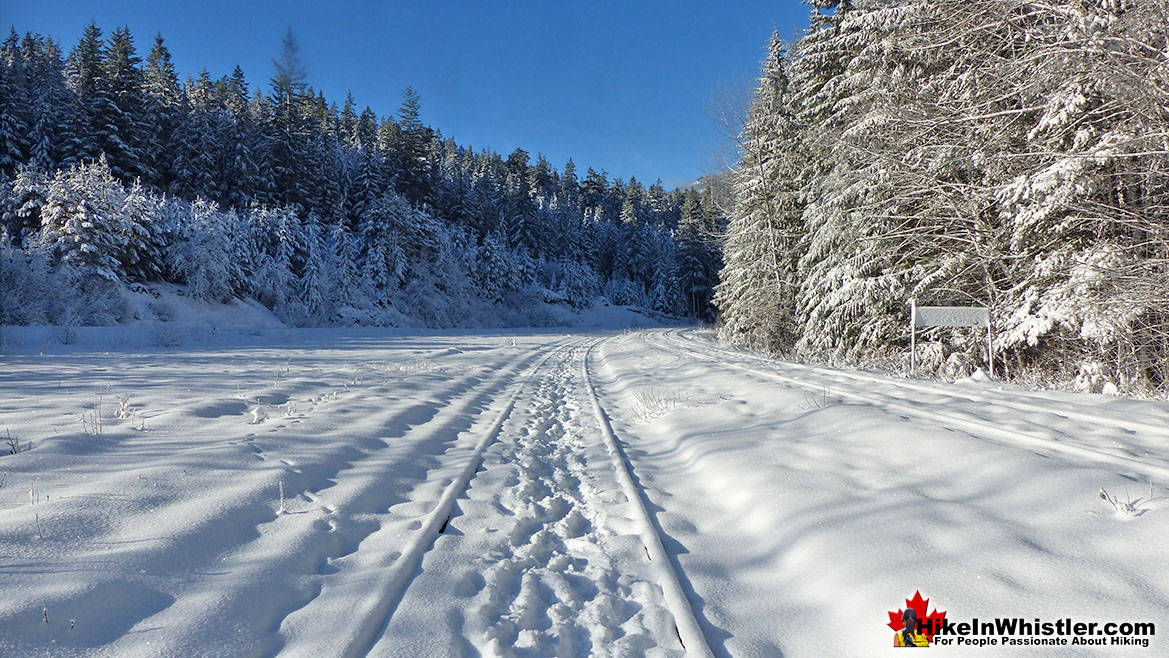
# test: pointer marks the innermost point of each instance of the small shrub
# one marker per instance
(15, 447)
(814, 401)
(654, 402)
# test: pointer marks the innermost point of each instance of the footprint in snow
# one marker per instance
(470, 584)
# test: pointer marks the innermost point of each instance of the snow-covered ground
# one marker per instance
(382, 492)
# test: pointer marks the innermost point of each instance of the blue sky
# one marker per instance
(620, 86)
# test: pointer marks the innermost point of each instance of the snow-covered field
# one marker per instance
(542, 493)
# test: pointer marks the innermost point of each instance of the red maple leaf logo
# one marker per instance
(930, 623)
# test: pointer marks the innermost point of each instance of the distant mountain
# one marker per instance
(720, 185)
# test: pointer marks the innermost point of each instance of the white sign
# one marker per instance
(950, 316)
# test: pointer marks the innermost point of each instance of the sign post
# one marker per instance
(948, 316)
(912, 337)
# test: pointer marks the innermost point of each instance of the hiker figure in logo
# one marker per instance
(908, 636)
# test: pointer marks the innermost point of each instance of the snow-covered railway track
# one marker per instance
(435, 523)
(686, 623)
(546, 536)
(354, 471)
(375, 577)
(937, 415)
(1152, 427)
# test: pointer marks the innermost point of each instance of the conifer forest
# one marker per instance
(1006, 154)
(116, 172)
(326, 359)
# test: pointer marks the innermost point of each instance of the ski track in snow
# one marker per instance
(1135, 419)
(557, 565)
(649, 494)
(935, 405)
(545, 547)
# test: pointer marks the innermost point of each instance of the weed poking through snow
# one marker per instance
(123, 412)
(813, 402)
(653, 403)
(1126, 506)
(15, 446)
(92, 423)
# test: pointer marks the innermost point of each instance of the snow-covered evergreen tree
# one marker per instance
(81, 220)
(83, 72)
(15, 119)
(760, 285)
(141, 222)
(125, 128)
(165, 112)
(28, 193)
(53, 111)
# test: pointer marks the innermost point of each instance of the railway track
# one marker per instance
(1152, 426)
(541, 522)
(1032, 439)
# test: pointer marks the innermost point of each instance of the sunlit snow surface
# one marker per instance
(450, 494)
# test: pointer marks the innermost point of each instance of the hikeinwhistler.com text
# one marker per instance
(1016, 631)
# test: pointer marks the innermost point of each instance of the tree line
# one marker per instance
(114, 171)
(1010, 154)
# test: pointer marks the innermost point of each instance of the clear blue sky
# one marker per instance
(620, 86)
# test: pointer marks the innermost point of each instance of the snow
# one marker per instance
(259, 490)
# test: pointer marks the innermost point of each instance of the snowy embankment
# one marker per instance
(398, 493)
(811, 501)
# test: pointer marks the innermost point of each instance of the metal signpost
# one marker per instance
(948, 316)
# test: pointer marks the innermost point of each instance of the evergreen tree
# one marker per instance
(347, 280)
(540, 180)
(414, 179)
(53, 108)
(570, 187)
(80, 220)
(196, 168)
(125, 128)
(23, 220)
(695, 262)
(348, 123)
(241, 176)
(83, 71)
(365, 132)
(141, 258)
(593, 189)
(288, 125)
(760, 283)
(288, 85)
(264, 190)
(520, 221)
(314, 290)
(636, 260)
(14, 105)
(165, 111)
